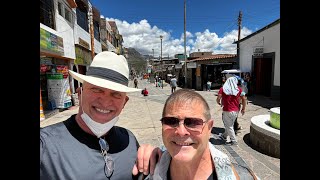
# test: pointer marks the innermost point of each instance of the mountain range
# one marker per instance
(136, 61)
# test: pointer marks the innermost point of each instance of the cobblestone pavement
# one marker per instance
(142, 116)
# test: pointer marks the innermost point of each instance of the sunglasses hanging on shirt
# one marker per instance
(109, 164)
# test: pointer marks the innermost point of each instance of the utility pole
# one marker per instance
(161, 57)
(239, 32)
(91, 33)
(185, 50)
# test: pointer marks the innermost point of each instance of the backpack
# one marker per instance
(242, 172)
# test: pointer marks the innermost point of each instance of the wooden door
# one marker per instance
(263, 75)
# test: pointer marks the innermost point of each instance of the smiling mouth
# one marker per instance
(103, 111)
(183, 143)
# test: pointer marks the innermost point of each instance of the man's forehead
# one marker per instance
(99, 87)
(190, 106)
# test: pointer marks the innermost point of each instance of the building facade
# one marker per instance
(259, 54)
(70, 36)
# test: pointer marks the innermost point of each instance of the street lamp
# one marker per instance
(161, 57)
(152, 53)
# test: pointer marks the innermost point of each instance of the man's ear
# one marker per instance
(126, 100)
(210, 123)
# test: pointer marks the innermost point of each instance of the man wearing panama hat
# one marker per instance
(88, 145)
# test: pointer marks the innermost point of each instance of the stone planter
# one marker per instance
(275, 117)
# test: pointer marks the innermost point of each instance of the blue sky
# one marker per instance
(211, 25)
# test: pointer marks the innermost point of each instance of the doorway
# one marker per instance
(263, 75)
(75, 82)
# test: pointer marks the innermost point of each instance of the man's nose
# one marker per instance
(181, 129)
(106, 98)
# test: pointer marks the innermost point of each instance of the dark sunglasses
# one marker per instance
(109, 164)
(194, 124)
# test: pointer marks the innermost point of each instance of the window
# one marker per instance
(67, 15)
(96, 30)
(82, 18)
(47, 13)
(60, 8)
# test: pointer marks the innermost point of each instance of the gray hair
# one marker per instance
(187, 96)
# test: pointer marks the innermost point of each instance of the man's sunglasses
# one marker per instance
(109, 164)
(193, 124)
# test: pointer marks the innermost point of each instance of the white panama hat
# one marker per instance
(107, 70)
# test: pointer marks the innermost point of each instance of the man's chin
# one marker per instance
(102, 119)
(183, 157)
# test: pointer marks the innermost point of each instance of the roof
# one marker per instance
(215, 56)
(260, 30)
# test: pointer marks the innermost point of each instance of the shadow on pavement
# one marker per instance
(263, 101)
(216, 141)
(217, 131)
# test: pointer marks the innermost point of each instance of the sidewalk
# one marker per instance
(142, 116)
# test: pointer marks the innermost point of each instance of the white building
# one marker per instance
(57, 52)
(65, 43)
(259, 54)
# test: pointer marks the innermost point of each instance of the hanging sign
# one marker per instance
(258, 51)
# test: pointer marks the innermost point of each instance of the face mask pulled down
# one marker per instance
(97, 128)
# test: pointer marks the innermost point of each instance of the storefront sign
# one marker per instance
(191, 65)
(47, 61)
(51, 43)
(258, 51)
(83, 56)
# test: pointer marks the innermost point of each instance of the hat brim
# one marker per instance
(102, 82)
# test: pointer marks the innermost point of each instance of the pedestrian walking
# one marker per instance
(157, 80)
(209, 85)
(173, 83)
(135, 81)
(229, 94)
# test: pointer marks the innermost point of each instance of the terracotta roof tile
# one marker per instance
(216, 56)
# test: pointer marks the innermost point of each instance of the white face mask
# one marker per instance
(97, 128)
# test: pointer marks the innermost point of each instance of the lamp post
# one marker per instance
(161, 57)
(152, 53)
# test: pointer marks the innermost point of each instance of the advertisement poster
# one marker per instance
(59, 89)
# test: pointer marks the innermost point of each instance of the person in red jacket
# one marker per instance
(145, 92)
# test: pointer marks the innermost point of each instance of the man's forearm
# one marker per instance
(244, 103)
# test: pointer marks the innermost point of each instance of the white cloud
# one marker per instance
(144, 37)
